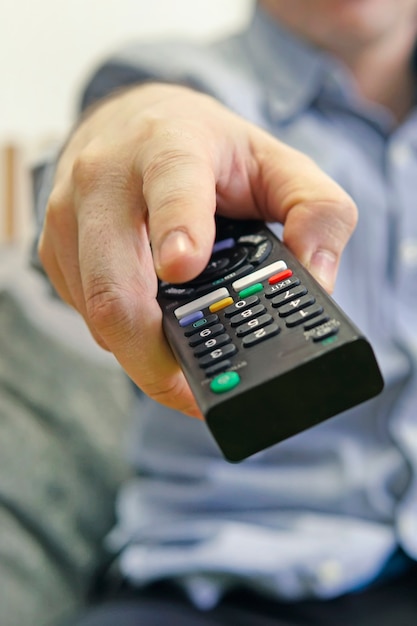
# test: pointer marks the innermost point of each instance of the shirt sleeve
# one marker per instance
(213, 68)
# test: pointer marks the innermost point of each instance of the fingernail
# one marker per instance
(176, 244)
(323, 266)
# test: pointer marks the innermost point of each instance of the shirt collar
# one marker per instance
(303, 74)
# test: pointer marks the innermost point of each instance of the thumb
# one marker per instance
(318, 215)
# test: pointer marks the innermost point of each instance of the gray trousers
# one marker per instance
(63, 415)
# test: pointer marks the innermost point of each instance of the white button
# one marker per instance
(201, 303)
(401, 153)
(408, 252)
(259, 275)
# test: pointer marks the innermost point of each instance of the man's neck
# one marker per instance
(380, 61)
(385, 73)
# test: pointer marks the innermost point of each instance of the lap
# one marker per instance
(392, 603)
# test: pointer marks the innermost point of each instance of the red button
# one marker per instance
(278, 277)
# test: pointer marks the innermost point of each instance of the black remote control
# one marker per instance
(266, 351)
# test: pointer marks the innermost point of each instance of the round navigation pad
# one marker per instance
(221, 263)
(234, 255)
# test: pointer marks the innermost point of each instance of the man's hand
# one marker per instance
(135, 193)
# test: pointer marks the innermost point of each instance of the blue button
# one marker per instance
(224, 244)
(191, 318)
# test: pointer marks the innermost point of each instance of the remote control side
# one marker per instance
(266, 351)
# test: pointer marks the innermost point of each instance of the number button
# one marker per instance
(210, 344)
(296, 305)
(241, 305)
(260, 335)
(206, 334)
(302, 316)
(256, 322)
(288, 295)
(217, 355)
(243, 317)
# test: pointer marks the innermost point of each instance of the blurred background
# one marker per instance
(49, 47)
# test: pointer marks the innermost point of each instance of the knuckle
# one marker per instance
(56, 203)
(341, 217)
(164, 162)
(162, 126)
(173, 175)
(109, 309)
(350, 212)
(173, 393)
(89, 166)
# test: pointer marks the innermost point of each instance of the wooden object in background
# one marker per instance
(9, 159)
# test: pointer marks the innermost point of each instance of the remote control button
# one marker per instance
(230, 277)
(274, 290)
(316, 322)
(209, 320)
(259, 275)
(251, 240)
(261, 253)
(220, 304)
(288, 295)
(302, 316)
(217, 368)
(225, 382)
(326, 330)
(260, 335)
(224, 244)
(277, 278)
(205, 334)
(217, 355)
(171, 291)
(256, 322)
(241, 305)
(296, 305)
(251, 290)
(201, 303)
(221, 263)
(243, 317)
(326, 335)
(211, 344)
(192, 317)
(222, 281)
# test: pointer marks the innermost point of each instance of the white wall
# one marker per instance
(47, 48)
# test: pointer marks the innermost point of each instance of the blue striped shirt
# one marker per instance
(321, 513)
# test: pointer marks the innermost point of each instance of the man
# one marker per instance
(330, 511)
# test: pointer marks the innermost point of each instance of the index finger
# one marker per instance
(120, 286)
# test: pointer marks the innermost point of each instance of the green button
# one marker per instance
(199, 323)
(225, 382)
(251, 290)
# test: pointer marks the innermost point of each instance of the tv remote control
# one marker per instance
(266, 351)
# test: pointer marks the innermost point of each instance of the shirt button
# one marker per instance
(408, 252)
(401, 154)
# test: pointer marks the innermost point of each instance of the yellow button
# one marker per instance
(220, 304)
